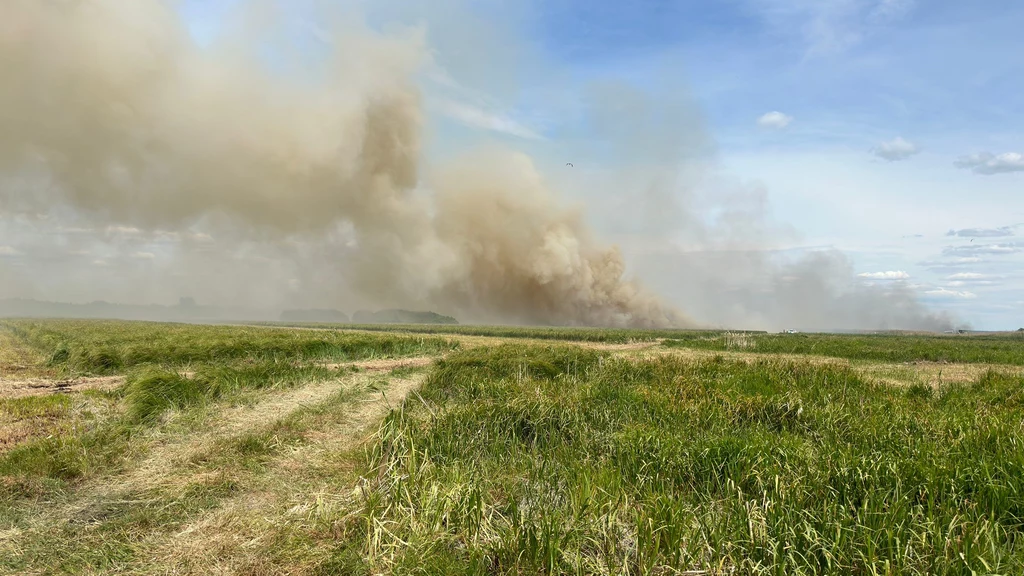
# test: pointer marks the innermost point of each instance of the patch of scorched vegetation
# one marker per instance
(558, 460)
(998, 349)
(105, 347)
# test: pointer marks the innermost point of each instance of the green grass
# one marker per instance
(118, 531)
(1001, 349)
(560, 461)
(517, 459)
(581, 334)
(54, 406)
(146, 397)
(107, 347)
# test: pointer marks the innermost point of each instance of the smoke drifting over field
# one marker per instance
(142, 128)
(109, 108)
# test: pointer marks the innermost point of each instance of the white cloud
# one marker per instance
(944, 293)
(958, 283)
(952, 262)
(896, 150)
(966, 276)
(998, 249)
(144, 255)
(99, 263)
(970, 249)
(889, 275)
(774, 120)
(478, 118)
(126, 230)
(988, 163)
(8, 251)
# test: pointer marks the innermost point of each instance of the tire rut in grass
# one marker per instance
(232, 537)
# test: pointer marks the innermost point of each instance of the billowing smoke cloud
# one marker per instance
(269, 173)
(109, 106)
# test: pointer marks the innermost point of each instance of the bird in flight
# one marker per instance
(569, 164)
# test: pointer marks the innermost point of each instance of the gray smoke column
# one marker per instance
(109, 107)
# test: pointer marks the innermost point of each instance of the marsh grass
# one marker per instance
(562, 461)
(118, 526)
(999, 349)
(107, 347)
(514, 459)
(145, 401)
(567, 334)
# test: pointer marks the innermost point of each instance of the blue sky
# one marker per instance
(898, 120)
(873, 126)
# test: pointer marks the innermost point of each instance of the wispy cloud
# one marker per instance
(988, 164)
(952, 262)
(889, 275)
(8, 251)
(951, 294)
(775, 119)
(126, 230)
(144, 255)
(993, 249)
(972, 279)
(891, 9)
(476, 117)
(896, 150)
(830, 26)
(959, 283)
(982, 232)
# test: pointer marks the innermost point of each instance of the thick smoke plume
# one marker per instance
(110, 107)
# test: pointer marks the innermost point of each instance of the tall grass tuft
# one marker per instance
(554, 460)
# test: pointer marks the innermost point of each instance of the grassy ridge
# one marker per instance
(105, 347)
(1007, 349)
(563, 461)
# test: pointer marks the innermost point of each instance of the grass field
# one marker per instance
(146, 448)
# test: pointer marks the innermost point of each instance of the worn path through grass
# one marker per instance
(209, 482)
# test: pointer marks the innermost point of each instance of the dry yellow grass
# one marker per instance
(231, 539)
(19, 361)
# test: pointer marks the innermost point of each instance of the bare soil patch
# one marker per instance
(385, 364)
